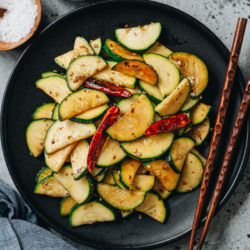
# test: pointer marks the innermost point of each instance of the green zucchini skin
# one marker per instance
(116, 177)
(113, 56)
(127, 214)
(51, 73)
(101, 177)
(40, 107)
(97, 172)
(40, 173)
(151, 97)
(62, 204)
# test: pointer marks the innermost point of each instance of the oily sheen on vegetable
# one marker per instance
(118, 136)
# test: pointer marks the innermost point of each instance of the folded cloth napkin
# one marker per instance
(18, 225)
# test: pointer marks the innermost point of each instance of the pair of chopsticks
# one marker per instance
(228, 84)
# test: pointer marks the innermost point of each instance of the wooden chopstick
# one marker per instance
(228, 84)
(227, 158)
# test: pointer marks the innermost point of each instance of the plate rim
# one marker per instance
(219, 44)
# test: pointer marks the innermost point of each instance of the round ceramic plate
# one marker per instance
(180, 32)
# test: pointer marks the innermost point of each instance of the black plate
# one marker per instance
(180, 33)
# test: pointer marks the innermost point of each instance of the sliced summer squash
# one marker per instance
(61, 134)
(51, 187)
(125, 104)
(66, 205)
(178, 153)
(96, 171)
(141, 170)
(154, 207)
(199, 113)
(109, 75)
(51, 73)
(128, 170)
(109, 179)
(44, 172)
(126, 214)
(82, 68)
(200, 132)
(81, 48)
(44, 111)
(81, 101)
(133, 124)
(191, 175)
(160, 49)
(91, 212)
(139, 39)
(142, 183)
(100, 177)
(91, 115)
(80, 190)
(168, 74)
(163, 173)
(134, 91)
(64, 60)
(137, 69)
(96, 45)
(120, 198)
(78, 158)
(149, 147)
(192, 67)
(160, 189)
(35, 135)
(54, 86)
(173, 103)
(202, 158)
(55, 115)
(119, 53)
(190, 103)
(116, 177)
(153, 92)
(56, 160)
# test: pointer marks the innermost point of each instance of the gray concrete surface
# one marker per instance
(230, 229)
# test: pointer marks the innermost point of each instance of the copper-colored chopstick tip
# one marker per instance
(228, 84)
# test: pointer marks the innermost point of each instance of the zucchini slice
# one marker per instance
(61, 134)
(55, 115)
(96, 171)
(78, 158)
(91, 115)
(192, 67)
(82, 68)
(159, 188)
(64, 60)
(160, 49)
(66, 205)
(80, 190)
(54, 86)
(116, 177)
(96, 45)
(35, 135)
(133, 124)
(153, 92)
(114, 77)
(149, 147)
(81, 101)
(178, 153)
(111, 153)
(81, 48)
(191, 175)
(51, 187)
(56, 160)
(163, 173)
(173, 103)
(68, 159)
(202, 158)
(120, 198)
(44, 172)
(154, 207)
(134, 91)
(141, 170)
(190, 103)
(125, 104)
(119, 53)
(200, 132)
(127, 171)
(137, 69)
(126, 214)
(91, 212)
(199, 113)
(100, 177)
(168, 74)
(142, 183)
(109, 179)
(51, 73)
(138, 39)
(44, 111)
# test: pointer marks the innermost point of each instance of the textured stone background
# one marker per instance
(230, 229)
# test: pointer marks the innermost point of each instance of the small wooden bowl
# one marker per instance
(9, 46)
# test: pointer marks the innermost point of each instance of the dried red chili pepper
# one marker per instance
(166, 125)
(107, 87)
(100, 137)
